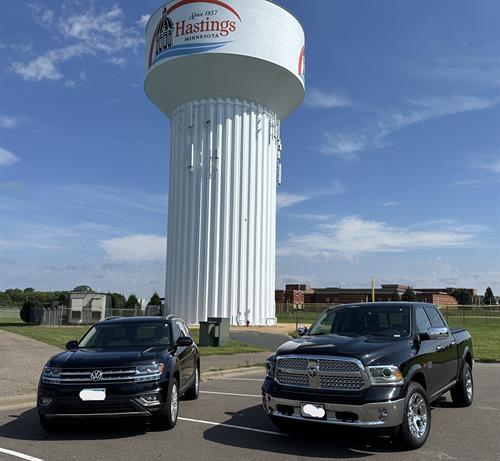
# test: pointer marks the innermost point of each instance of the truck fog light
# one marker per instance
(150, 399)
(382, 413)
(45, 401)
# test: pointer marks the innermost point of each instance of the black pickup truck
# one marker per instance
(122, 367)
(370, 365)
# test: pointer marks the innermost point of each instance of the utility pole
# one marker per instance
(373, 289)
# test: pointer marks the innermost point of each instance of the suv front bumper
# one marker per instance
(367, 415)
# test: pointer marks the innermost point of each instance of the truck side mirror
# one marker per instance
(438, 333)
(184, 341)
(302, 330)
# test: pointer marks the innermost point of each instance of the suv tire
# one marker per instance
(462, 393)
(413, 433)
(167, 417)
(194, 390)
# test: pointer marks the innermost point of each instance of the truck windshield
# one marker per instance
(389, 321)
(127, 335)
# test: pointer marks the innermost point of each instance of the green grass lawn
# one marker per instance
(59, 336)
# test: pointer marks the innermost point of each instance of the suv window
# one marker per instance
(435, 317)
(423, 322)
(176, 331)
(184, 329)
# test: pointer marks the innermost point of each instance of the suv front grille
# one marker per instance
(109, 375)
(319, 372)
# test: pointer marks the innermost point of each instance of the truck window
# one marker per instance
(423, 322)
(435, 317)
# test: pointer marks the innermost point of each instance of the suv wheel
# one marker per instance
(167, 417)
(462, 393)
(413, 433)
(194, 391)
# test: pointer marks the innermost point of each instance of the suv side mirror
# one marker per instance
(184, 341)
(438, 333)
(302, 330)
(72, 345)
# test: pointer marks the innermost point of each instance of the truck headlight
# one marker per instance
(270, 366)
(149, 372)
(383, 375)
(51, 375)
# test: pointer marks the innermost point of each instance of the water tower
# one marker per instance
(225, 72)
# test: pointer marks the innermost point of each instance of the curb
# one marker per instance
(480, 360)
(230, 372)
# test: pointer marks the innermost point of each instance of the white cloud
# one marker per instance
(42, 15)
(9, 121)
(136, 247)
(389, 204)
(7, 158)
(348, 145)
(285, 199)
(318, 99)
(88, 32)
(143, 20)
(353, 236)
(116, 61)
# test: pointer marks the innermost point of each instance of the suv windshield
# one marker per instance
(390, 321)
(127, 335)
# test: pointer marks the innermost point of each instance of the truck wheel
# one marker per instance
(167, 417)
(462, 393)
(47, 424)
(194, 391)
(413, 433)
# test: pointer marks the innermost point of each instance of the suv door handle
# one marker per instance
(453, 343)
(439, 348)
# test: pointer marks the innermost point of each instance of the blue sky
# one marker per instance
(391, 166)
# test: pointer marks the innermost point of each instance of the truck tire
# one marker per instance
(167, 417)
(462, 393)
(413, 433)
(194, 391)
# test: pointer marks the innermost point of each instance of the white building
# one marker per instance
(88, 306)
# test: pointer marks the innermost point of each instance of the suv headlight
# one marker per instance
(270, 363)
(383, 375)
(51, 375)
(149, 372)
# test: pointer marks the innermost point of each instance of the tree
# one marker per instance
(409, 295)
(26, 311)
(395, 296)
(155, 300)
(489, 297)
(132, 302)
(462, 296)
(118, 301)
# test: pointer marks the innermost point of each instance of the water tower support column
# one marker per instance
(221, 235)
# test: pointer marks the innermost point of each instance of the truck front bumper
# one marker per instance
(368, 415)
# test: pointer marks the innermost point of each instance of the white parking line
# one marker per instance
(230, 393)
(232, 426)
(19, 455)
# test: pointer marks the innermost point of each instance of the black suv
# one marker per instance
(122, 367)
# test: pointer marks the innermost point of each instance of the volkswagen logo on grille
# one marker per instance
(313, 371)
(96, 375)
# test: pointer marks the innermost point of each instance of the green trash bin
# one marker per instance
(214, 332)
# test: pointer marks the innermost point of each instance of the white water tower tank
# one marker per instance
(225, 72)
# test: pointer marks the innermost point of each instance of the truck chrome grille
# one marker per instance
(319, 372)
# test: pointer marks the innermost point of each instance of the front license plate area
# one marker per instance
(93, 395)
(313, 410)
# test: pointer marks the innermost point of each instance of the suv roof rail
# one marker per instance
(113, 317)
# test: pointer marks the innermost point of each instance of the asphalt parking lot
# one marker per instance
(227, 422)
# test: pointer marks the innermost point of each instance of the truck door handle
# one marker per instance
(439, 348)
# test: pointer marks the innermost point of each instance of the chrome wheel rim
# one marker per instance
(174, 403)
(417, 415)
(197, 381)
(468, 384)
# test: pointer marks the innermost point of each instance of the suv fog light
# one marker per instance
(45, 401)
(150, 399)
